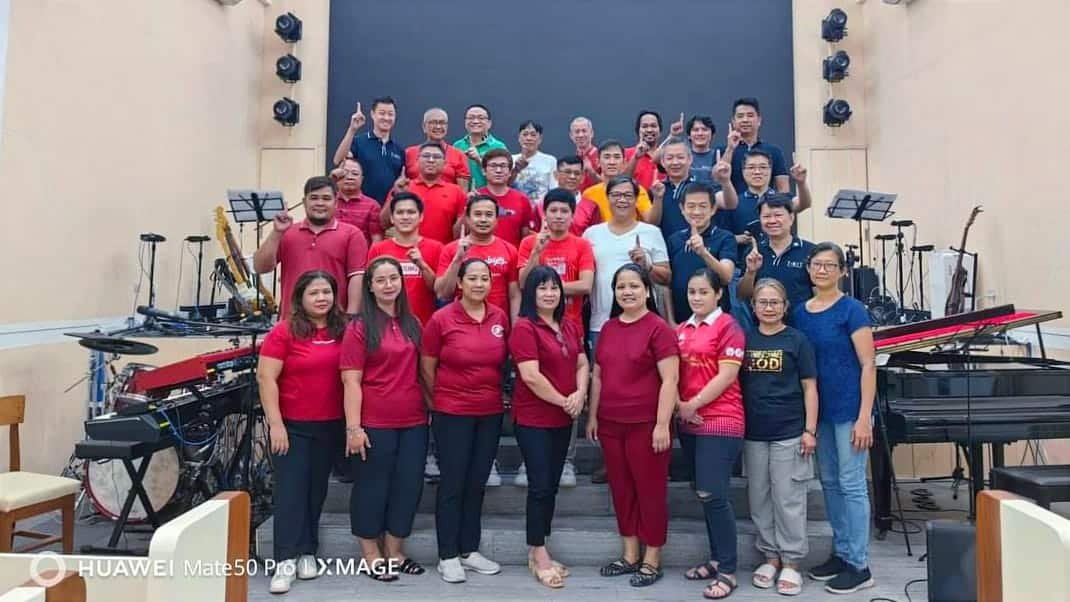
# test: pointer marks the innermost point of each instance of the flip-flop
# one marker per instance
(793, 580)
(764, 576)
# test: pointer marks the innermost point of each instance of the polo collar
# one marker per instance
(708, 320)
(331, 226)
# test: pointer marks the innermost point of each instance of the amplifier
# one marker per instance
(951, 560)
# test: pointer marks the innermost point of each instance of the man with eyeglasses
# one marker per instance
(778, 253)
(757, 169)
(443, 202)
(354, 207)
(746, 122)
(515, 220)
(478, 141)
(455, 171)
(581, 132)
(381, 157)
(611, 158)
(676, 159)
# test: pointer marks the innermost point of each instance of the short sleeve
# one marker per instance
(356, 253)
(780, 166)
(805, 361)
(585, 255)
(663, 341)
(353, 352)
(857, 317)
(374, 227)
(431, 339)
(727, 249)
(462, 166)
(643, 204)
(376, 250)
(523, 252)
(511, 270)
(524, 342)
(276, 344)
(460, 200)
(586, 214)
(431, 250)
(659, 253)
(731, 343)
(445, 257)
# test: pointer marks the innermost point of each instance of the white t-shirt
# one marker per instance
(612, 251)
(537, 178)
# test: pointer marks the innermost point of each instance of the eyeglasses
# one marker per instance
(770, 303)
(824, 266)
(431, 157)
(621, 196)
(477, 118)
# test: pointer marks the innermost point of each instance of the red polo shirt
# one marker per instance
(421, 296)
(592, 156)
(339, 249)
(557, 354)
(456, 164)
(500, 256)
(514, 214)
(443, 205)
(468, 381)
(390, 388)
(645, 169)
(703, 347)
(627, 356)
(568, 257)
(310, 387)
(361, 211)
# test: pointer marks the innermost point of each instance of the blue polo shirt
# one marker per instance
(672, 214)
(789, 268)
(720, 243)
(382, 163)
(780, 166)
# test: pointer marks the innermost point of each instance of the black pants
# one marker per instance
(301, 477)
(467, 446)
(388, 484)
(544, 451)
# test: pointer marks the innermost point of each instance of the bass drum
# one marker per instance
(107, 484)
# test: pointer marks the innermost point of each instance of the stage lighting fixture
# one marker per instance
(834, 26)
(288, 68)
(288, 27)
(837, 112)
(287, 112)
(834, 68)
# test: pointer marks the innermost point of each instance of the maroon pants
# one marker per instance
(638, 480)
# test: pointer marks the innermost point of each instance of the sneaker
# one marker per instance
(283, 577)
(307, 567)
(431, 472)
(568, 475)
(494, 479)
(599, 476)
(850, 580)
(829, 569)
(451, 570)
(481, 564)
(521, 479)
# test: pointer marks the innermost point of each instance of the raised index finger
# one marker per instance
(358, 106)
(717, 156)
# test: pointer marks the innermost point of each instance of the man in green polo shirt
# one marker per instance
(478, 141)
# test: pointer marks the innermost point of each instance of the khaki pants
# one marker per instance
(777, 476)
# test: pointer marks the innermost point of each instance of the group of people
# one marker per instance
(658, 290)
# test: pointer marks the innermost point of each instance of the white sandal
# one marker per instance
(763, 576)
(793, 579)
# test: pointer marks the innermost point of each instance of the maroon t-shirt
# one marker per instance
(310, 387)
(468, 381)
(627, 358)
(340, 249)
(390, 386)
(557, 355)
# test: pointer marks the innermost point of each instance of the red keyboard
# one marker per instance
(197, 369)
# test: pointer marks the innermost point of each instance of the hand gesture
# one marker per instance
(677, 127)
(733, 137)
(744, 239)
(473, 153)
(592, 428)
(661, 440)
(415, 257)
(282, 221)
(588, 167)
(641, 148)
(542, 238)
(657, 189)
(573, 404)
(338, 173)
(808, 444)
(280, 439)
(798, 172)
(754, 258)
(695, 244)
(722, 170)
(357, 443)
(637, 254)
(357, 120)
(521, 164)
(402, 183)
(463, 243)
(862, 434)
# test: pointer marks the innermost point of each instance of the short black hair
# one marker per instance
(715, 283)
(476, 106)
(496, 153)
(699, 188)
(748, 101)
(639, 118)
(569, 160)
(384, 100)
(317, 182)
(648, 284)
(530, 123)
(559, 195)
(537, 276)
(608, 144)
(757, 152)
(705, 120)
(430, 144)
(777, 200)
(407, 196)
(479, 198)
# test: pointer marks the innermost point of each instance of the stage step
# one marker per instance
(576, 540)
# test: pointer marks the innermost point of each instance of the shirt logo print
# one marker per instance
(496, 262)
(409, 268)
(765, 360)
(497, 331)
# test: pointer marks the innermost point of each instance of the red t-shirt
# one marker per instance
(557, 355)
(421, 296)
(703, 347)
(443, 205)
(568, 257)
(339, 249)
(645, 169)
(627, 356)
(361, 211)
(514, 214)
(587, 214)
(500, 255)
(310, 387)
(456, 164)
(592, 156)
(468, 381)
(389, 385)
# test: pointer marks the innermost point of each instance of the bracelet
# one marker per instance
(355, 429)
(811, 432)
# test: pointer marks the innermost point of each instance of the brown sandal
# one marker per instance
(548, 577)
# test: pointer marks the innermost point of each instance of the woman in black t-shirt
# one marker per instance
(780, 400)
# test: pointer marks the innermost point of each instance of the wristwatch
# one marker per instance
(811, 432)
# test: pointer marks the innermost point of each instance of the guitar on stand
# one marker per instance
(956, 298)
(253, 297)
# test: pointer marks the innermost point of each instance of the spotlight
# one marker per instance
(834, 68)
(833, 27)
(288, 27)
(837, 112)
(288, 68)
(287, 111)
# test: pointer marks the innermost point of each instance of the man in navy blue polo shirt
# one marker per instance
(778, 253)
(746, 121)
(676, 159)
(701, 244)
(382, 158)
(757, 167)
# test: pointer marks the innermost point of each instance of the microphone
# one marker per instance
(160, 314)
(886, 236)
(902, 223)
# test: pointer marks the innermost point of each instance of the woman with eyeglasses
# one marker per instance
(839, 330)
(780, 398)
(548, 351)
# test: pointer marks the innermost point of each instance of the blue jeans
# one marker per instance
(842, 470)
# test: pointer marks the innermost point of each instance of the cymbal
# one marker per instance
(106, 344)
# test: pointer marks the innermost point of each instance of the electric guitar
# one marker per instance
(956, 297)
(248, 297)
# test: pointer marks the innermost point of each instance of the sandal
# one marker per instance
(548, 577)
(385, 577)
(764, 576)
(701, 572)
(618, 567)
(720, 588)
(380, 570)
(411, 567)
(647, 574)
(789, 583)
(560, 568)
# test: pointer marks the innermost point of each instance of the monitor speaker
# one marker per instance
(951, 560)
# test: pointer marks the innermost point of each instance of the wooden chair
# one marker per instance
(25, 494)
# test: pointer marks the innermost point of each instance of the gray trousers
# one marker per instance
(777, 476)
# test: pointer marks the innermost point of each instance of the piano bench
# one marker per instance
(1044, 484)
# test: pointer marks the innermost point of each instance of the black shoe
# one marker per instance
(598, 477)
(850, 580)
(829, 569)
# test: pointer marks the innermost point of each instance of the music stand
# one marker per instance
(257, 207)
(861, 205)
